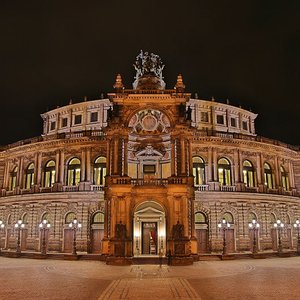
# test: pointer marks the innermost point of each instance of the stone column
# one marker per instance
(215, 165)
(291, 175)
(39, 169)
(190, 157)
(125, 162)
(236, 166)
(276, 171)
(88, 164)
(209, 165)
(20, 175)
(62, 167)
(6, 175)
(57, 166)
(172, 158)
(116, 156)
(183, 157)
(82, 171)
(108, 162)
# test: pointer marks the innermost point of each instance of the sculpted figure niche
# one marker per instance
(149, 69)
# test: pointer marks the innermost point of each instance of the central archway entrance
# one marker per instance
(149, 229)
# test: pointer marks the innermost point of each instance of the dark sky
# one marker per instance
(247, 51)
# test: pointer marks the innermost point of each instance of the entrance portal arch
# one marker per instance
(149, 229)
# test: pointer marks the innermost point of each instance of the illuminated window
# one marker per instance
(198, 170)
(284, 179)
(73, 172)
(100, 171)
(248, 174)
(70, 217)
(268, 176)
(98, 218)
(49, 174)
(29, 176)
(251, 217)
(224, 171)
(13, 179)
(228, 217)
(200, 218)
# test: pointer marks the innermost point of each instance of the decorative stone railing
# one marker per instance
(95, 187)
(149, 181)
(70, 188)
(227, 188)
(202, 187)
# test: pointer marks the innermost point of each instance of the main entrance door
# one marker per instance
(149, 238)
(149, 229)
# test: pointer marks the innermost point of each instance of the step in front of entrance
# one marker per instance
(149, 260)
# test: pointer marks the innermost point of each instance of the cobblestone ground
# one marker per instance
(277, 278)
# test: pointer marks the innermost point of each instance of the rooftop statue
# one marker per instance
(148, 63)
(149, 69)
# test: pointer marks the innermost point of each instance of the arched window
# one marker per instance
(25, 218)
(100, 170)
(228, 217)
(29, 176)
(49, 173)
(69, 217)
(268, 176)
(200, 218)
(98, 218)
(284, 179)
(73, 172)
(13, 179)
(224, 171)
(45, 216)
(251, 217)
(248, 174)
(198, 170)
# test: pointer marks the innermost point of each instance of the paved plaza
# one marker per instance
(274, 278)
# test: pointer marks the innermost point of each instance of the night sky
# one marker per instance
(246, 51)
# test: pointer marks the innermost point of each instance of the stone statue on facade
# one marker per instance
(178, 231)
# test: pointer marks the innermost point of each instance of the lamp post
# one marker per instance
(74, 225)
(297, 226)
(1, 228)
(44, 225)
(19, 226)
(279, 226)
(224, 225)
(254, 226)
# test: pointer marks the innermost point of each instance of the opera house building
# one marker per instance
(149, 172)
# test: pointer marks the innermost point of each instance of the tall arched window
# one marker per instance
(99, 170)
(268, 176)
(248, 174)
(200, 218)
(49, 174)
(25, 218)
(224, 171)
(73, 172)
(45, 216)
(29, 176)
(284, 179)
(198, 170)
(251, 217)
(13, 179)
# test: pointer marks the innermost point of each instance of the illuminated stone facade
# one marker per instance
(148, 170)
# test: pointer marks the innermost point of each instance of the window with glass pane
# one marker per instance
(29, 176)
(248, 174)
(224, 171)
(74, 172)
(70, 217)
(200, 218)
(94, 116)
(13, 179)
(284, 179)
(49, 174)
(268, 176)
(100, 170)
(198, 170)
(98, 218)
(228, 217)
